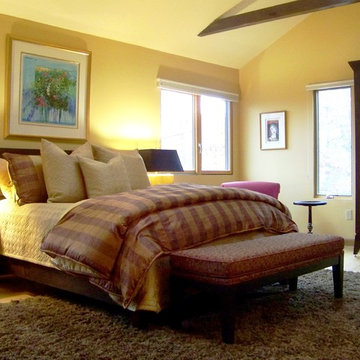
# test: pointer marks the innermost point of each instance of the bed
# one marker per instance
(89, 222)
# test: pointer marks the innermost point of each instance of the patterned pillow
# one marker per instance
(62, 174)
(134, 164)
(26, 176)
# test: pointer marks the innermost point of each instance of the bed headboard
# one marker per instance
(24, 151)
(20, 151)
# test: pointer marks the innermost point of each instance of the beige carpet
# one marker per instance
(308, 324)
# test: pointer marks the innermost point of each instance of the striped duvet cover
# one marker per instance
(114, 239)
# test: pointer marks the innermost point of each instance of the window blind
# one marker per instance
(329, 85)
(165, 84)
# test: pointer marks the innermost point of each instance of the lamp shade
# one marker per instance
(161, 160)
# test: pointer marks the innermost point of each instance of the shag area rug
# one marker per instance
(271, 324)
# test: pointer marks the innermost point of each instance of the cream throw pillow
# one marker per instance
(62, 174)
(133, 161)
(104, 178)
(104, 154)
(136, 171)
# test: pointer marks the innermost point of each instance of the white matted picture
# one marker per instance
(272, 130)
(47, 91)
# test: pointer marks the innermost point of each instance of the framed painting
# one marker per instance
(47, 91)
(272, 130)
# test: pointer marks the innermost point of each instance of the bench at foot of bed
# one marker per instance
(228, 268)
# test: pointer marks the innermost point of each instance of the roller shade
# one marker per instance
(165, 84)
(329, 85)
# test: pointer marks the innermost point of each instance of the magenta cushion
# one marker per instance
(264, 187)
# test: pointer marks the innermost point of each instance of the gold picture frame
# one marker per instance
(47, 90)
(272, 130)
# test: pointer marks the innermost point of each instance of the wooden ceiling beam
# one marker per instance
(276, 12)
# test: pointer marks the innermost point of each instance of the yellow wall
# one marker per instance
(315, 51)
(124, 98)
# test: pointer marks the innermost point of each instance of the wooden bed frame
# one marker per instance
(52, 277)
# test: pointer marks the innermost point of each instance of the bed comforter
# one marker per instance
(114, 239)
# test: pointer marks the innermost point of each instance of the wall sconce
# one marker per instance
(159, 162)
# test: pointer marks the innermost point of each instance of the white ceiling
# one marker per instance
(165, 25)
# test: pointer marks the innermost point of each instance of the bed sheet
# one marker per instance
(22, 229)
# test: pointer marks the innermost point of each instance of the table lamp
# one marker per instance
(159, 162)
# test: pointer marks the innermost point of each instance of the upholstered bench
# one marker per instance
(227, 268)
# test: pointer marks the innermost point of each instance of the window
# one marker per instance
(215, 143)
(198, 127)
(333, 141)
(178, 126)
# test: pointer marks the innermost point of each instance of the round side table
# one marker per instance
(310, 204)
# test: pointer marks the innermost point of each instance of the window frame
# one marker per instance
(315, 88)
(198, 140)
(230, 99)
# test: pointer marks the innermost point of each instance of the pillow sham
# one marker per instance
(26, 177)
(136, 170)
(133, 161)
(104, 178)
(104, 154)
(62, 174)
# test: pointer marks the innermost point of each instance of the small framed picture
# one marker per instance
(272, 130)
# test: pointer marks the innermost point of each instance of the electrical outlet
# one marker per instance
(348, 214)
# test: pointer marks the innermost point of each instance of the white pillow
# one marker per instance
(104, 178)
(62, 174)
(134, 164)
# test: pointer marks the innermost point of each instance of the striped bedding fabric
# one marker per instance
(114, 239)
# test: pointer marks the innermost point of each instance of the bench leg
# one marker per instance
(338, 277)
(293, 284)
(177, 288)
(140, 319)
(228, 315)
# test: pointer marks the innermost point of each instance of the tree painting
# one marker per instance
(49, 91)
